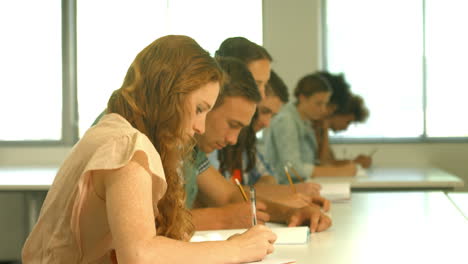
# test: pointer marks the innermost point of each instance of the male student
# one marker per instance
(219, 204)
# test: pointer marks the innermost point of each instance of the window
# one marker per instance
(31, 67)
(107, 47)
(401, 58)
(109, 34)
(447, 61)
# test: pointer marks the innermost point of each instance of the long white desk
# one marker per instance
(27, 178)
(40, 179)
(388, 227)
(391, 179)
(22, 192)
(460, 201)
(376, 227)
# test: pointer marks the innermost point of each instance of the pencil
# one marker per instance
(241, 190)
(290, 179)
(295, 172)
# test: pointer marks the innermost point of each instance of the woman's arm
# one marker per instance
(128, 193)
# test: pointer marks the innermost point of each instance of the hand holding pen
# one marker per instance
(257, 209)
(365, 160)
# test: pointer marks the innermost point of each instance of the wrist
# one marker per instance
(233, 250)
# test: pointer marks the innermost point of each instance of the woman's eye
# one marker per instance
(199, 110)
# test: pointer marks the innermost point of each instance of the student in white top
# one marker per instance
(118, 197)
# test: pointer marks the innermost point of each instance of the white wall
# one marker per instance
(292, 32)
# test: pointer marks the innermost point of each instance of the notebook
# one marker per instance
(336, 191)
(285, 235)
(273, 260)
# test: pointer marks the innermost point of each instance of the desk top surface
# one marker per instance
(389, 227)
(460, 200)
(40, 178)
(32, 178)
(381, 178)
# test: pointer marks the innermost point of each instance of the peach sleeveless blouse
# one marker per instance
(72, 226)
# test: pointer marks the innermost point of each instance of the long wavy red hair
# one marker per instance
(153, 98)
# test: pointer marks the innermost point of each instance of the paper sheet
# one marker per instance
(285, 235)
(273, 260)
(336, 191)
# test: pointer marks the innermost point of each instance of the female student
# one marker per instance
(343, 109)
(256, 57)
(118, 196)
(291, 139)
(353, 111)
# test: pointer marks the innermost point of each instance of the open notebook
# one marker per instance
(273, 260)
(285, 235)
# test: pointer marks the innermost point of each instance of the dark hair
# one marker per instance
(357, 108)
(239, 81)
(312, 84)
(230, 157)
(277, 87)
(243, 49)
(341, 90)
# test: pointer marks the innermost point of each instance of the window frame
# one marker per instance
(69, 84)
(424, 138)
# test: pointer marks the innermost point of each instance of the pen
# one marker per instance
(373, 152)
(290, 179)
(241, 190)
(254, 207)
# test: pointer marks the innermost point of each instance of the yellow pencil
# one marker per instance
(290, 180)
(289, 164)
(241, 190)
(296, 173)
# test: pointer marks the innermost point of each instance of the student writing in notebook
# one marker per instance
(118, 196)
(246, 159)
(343, 109)
(291, 138)
(219, 204)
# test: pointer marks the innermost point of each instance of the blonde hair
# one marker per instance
(153, 98)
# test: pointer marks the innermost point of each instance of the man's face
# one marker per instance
(340, 122)
(268, 107)
(224, 123)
